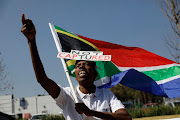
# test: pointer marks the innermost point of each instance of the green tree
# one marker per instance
(124, 93)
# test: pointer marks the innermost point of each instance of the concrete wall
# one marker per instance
(6, 104)
(32, 105)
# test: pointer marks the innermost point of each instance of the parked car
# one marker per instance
(149, 105)
(38, 116)
(172, 103)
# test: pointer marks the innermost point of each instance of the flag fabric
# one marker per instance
(133, 67)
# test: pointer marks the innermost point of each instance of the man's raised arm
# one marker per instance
(28, 29)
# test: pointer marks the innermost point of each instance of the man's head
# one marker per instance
(85, 71)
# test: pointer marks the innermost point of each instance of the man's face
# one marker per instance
(85, 72)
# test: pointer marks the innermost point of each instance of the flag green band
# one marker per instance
(60, 29)
(161, 74)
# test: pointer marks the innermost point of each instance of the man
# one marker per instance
(93, 103)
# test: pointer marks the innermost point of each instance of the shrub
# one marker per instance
(49, 117)
(53, 117)
(156, 111)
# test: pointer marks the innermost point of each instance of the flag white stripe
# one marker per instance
(168, 79)
(102, 81)
(148, 68)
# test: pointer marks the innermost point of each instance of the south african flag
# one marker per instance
(133, 67)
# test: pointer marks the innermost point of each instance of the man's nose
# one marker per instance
(82, 65)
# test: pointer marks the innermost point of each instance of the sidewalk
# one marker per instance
(170, 119)
(165, 117)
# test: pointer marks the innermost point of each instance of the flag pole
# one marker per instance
(58, 45)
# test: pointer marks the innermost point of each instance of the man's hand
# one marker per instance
(28, 28)
(120, 114)
(82, 108)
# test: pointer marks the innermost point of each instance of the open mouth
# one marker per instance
(82, 73)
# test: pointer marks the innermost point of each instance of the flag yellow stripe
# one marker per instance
(74, 36)
(70, 62)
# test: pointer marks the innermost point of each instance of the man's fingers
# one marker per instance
(25, 29)
(30, 22)
(27, 21)
(23, 19)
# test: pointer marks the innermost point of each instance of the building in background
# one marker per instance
(29, 106)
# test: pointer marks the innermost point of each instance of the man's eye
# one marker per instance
(88, 64)
(83, 64)
(76, 66)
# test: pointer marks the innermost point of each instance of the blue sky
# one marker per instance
(134, 23)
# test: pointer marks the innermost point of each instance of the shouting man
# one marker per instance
(94, 103)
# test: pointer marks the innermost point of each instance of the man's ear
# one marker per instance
(95, 72)
(76, 78)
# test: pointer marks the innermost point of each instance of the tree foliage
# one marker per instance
(171, 8)
(124, 93)
(4, 83)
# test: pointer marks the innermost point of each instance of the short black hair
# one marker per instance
(93, 63)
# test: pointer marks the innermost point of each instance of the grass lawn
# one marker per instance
(158, 117)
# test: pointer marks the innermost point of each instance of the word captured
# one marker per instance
(84, 55)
